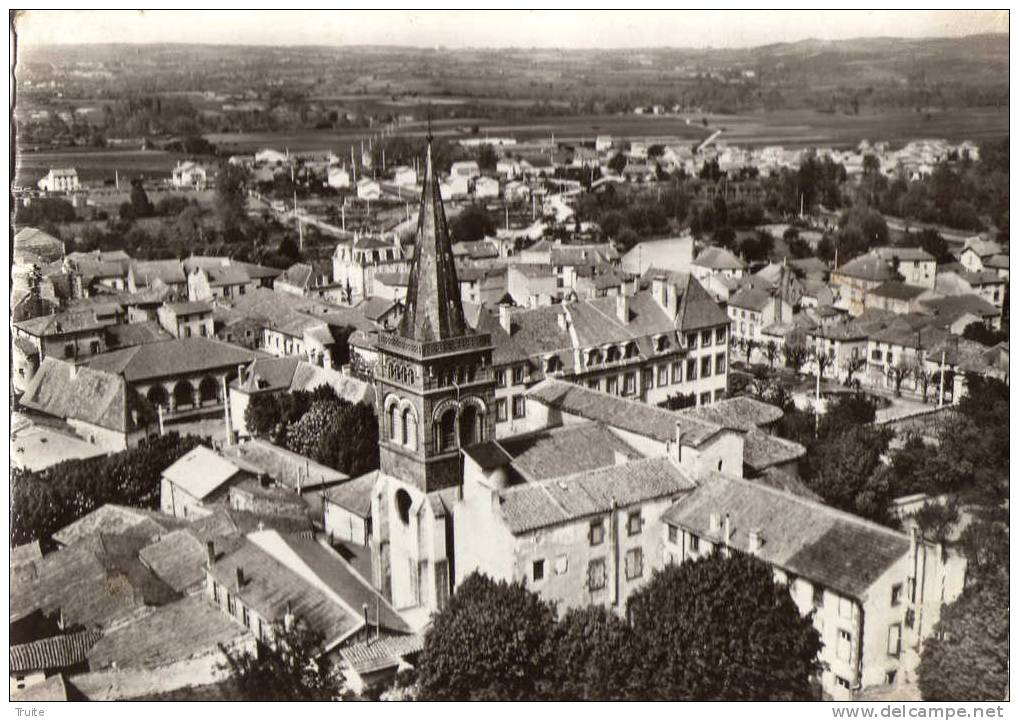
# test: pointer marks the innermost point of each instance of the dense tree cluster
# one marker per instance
(499, 641)
(318, 424)
(43, 502)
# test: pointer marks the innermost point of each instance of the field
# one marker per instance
(95, 166)
(798, 128)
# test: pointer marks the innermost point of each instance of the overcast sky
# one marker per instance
(566, 29)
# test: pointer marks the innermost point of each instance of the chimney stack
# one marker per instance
(367, 628)
(288, 618)
(210, 553)
(506, 318)
(240, 578)
(714, 522)
(623, 308)
(728, 528)
(561, 320)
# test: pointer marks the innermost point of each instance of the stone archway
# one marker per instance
(445, 430)
(157, 396)
(208, 390)
(470, 432)
(183, 395)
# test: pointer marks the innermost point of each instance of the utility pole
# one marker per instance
(817, 391)
(941, 384)
(226, 413)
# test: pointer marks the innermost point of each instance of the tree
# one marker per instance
(897, 373)
(936, 520)
(985, 543)
(596, 654)
(487, 157)
(473, 223)
(966, 658)
(691, 650)
(748, 345)
(796, 354)
(854, 364)
(933, 242)
(230, 194)
(492, 642)
(823, 359)
(770, 350)
(980, 333)
(141, 206)
(679, 401)
(43, 502)
(923, 376)
(617, 163)
(287, 669)
(844, 469)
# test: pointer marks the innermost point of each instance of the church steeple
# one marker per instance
(434, 382)
(432, 308)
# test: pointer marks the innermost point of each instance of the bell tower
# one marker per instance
(434, 379)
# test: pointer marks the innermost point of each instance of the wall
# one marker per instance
(345, 526)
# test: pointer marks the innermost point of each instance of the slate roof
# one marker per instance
(432, 309)
(201, 471)
(867, 267)
(354, 495)
(54, 652)
(531, 506)
(633, 416)
(565, 450)
(176, 357)
(82, 393)
(175, 632)
(842, 552)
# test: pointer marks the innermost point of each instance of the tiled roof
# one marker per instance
(26, 553)
(125, 335)
(812, 540)
(375, 307)
(178, 631)
(81, 393)
(981, 277)
(190, 308)
(145, 272)
(996, 261)
(742, 413)
(756, 300)
(269, 373)
(867, 267)
(982, 247)
(201, 471)
(177, 357)
(308, 377)
(909, 255)
(114, 519)
(177, 558)
(381, 653)
(80, 321)
(948, 310)
(897, 290)
(633, 416)
(761, 450)
(810, 266)
(354, 495)
(531, 506)
(92, 583)
(569, 449)
(285, 467)
(54, 652)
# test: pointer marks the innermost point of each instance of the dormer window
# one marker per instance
(612, 354)
(552, 364)
(594, 357)
(630, 350)
(661, 343)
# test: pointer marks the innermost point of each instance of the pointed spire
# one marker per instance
(433, 310)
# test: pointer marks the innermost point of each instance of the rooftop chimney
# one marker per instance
(714, 522)
(240, 578)
(506, 318)
(561, 320)
(727, 532)
(623, 308)
(210, 553)
(367, 628)
(288, 618)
